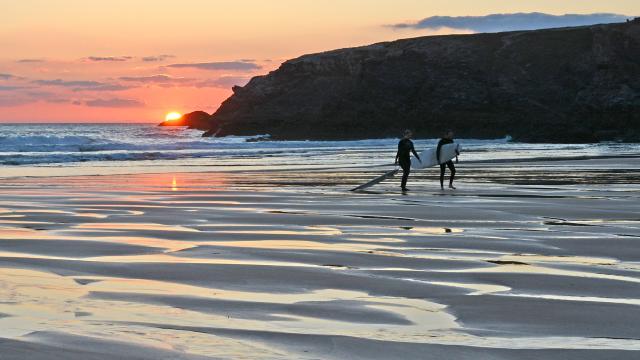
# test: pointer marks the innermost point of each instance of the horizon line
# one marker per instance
(80, 123)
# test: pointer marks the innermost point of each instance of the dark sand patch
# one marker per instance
(60, 346)
(81, 249)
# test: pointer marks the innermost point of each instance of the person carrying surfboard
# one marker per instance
(403, 157)
(446, 139)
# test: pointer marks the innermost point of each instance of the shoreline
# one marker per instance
(38, 171)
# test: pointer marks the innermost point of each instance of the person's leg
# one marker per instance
(406, 169)
(452, 168)
(442, 167)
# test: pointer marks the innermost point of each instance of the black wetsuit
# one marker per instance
(446, 164)
(403, 157)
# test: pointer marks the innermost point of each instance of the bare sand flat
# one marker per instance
(534, 260)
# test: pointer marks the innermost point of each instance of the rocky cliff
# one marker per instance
(577, 84)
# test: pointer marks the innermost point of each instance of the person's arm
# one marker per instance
(413, 150)
(397, 154)
(438, 151)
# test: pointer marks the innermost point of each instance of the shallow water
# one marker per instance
(88, 149)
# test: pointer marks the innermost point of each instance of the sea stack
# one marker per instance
(199, 120)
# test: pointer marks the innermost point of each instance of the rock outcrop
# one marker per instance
(194, 120)
(579, 84)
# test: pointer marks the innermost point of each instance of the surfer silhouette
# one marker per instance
(446, 139)
(403, 157)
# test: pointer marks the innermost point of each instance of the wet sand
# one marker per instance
(523, 261)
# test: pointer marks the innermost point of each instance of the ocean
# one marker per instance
(93, 149)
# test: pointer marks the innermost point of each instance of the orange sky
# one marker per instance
(121, 61)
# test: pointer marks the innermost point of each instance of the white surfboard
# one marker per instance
(428, 156)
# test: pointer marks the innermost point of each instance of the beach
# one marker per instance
(216, 180)
(526, 260)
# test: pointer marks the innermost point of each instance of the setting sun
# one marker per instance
(172, 116)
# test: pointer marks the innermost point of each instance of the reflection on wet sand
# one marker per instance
(189, 263)
(133, 226)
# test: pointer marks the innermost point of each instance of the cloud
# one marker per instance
(68, 83)
(510, 22)
(11, 87)
(224, 82)
(104, 87)
(30, 60)
(58, 101)
(170, 81)
(7, 76)
(157, 79)
(45, 96)
(109, 58)
(156, 58)
(83, 85)
(221, 65)
(17, 95)
(40, 95)
(112, 103)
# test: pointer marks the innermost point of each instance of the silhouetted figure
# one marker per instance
(403, 157)
(447, 139)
